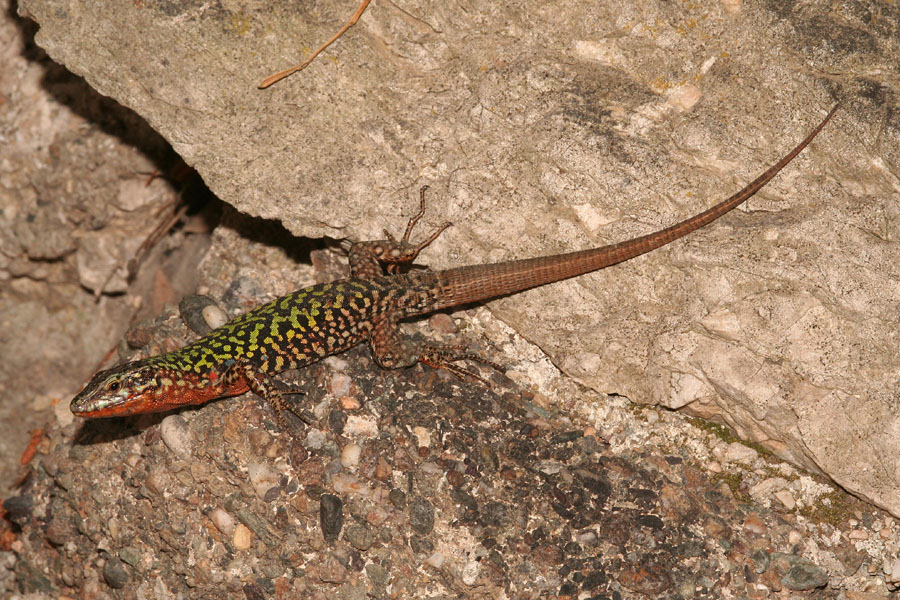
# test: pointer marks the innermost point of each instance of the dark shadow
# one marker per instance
(270, 232)
(118, 121)
(101, 431)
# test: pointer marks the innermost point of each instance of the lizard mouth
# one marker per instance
(110, 394)
(106, 406)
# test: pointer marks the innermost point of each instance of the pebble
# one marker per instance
(397, 498)
(222, 520)
(442, 323)
(130, 556)
(786, 498)
(894, 574)
(361, 426)
(99, 254)
(259, 441)
(350, 403)
(383, 469)
(798, 573)
(379, 576)
(315, 439)
(348, 484)
(421, 546)
(255, 524)
(587, 538)
(737, 452)
(768, 487)
(858, 534)
(337, 420)
(423, 436)
(336, 363)
(57, 532)
(332, 571)
(376, 516)
(718, 449)
(421, 515)
(331, 517)
(436, 560)
(262, 478)
(176, 435)
(470, 572)
(431, 468)
(158, 481)
(194, 309)
(114, 573)
(360, 537)
(350, 456)
(761, 561)
(242, 538)
(753, 524)
(339, 385)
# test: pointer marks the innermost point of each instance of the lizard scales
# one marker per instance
(312, 323)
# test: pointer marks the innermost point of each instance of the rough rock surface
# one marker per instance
(543, 127)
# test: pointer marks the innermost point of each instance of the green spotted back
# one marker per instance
(289, 332)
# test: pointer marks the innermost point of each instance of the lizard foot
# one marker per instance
(271, 391)
(366, 258)
(446, 357)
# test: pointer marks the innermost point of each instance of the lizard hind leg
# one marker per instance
(392, 350)
(366, 258)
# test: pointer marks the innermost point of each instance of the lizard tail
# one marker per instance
(477, 283)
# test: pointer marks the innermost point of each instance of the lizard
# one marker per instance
(327, 318)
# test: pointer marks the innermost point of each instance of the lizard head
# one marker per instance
(126, 389)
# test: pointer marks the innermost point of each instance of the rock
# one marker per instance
(201, 314)
(242, 538)
(421, 515)
(764, 320)
(222, 520)
(176, 435)
(786, 498)
(103, 257)
(350, 456)
(263, 478)
(738, 452)
(331, 517)
(798, 573)
(114, 573)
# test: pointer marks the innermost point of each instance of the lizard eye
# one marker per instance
(113, 386)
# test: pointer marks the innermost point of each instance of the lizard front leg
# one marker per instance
(366, 258)
(267, 388)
